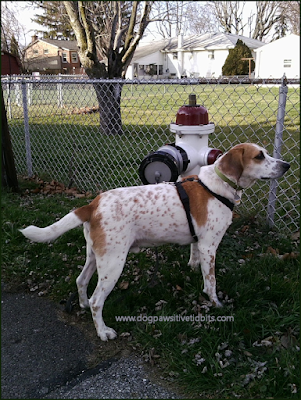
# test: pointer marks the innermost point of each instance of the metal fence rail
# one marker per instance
(54, 125)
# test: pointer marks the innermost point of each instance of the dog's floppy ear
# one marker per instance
(231, 164)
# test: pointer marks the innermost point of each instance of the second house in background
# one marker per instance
(49, 56)
(194, 56)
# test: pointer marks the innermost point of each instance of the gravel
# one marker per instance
(123, 379)
(44, 357)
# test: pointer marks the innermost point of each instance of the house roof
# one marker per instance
(63, 44)
(290, 40)
(158, 45)
(208, 41)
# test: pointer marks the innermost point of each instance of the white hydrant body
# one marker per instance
(189, 152)
(194, 141)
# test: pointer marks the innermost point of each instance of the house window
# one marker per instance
(175, 56)
(35, 52)
(160, 69)
(287, 63)
(211, 54)
(74, 58)
(46, 51)
(64, 57)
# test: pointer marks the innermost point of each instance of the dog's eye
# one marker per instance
(260, 156)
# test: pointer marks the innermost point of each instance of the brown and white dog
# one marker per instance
(122, 220)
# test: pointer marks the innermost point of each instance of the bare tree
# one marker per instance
(200, 18)
(281, 17)
(107, 33)
(186, 17)
(229, 14)
(11, 29)
(268, 13)
(291, 11)
(170, 17)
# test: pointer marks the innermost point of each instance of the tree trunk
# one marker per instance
(118, 33)
(109, 97)
(9, 175)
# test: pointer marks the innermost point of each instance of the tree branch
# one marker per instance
(91, 48)
(127, 57)
(72, 11)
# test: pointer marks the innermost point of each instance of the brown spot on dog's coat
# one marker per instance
(89, 213)
(98, 235)
(198, 201)
(236, 160)
(231, 164)
(84, 213)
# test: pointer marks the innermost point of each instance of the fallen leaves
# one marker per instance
(123, 285)
(286, 340)
(55, 187)
(84, 110)
(151, 356)
(286, 256)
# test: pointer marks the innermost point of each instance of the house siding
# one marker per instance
(279, 57)
(10, 64)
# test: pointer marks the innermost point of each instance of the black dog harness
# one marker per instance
(185, 201)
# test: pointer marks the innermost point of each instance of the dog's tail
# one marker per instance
(49, 233)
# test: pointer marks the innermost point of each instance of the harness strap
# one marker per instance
(185, 201)
(225, 201)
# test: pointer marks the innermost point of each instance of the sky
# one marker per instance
(24, 15)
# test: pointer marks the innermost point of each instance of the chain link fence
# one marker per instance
(55, 129)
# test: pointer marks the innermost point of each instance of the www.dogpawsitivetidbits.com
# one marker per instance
(174, 318)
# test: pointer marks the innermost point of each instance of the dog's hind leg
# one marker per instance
(89, 268)
(109, 268)
(83, 279)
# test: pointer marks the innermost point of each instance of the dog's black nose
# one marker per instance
(286, 166)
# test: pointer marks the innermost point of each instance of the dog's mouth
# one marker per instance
(265, 178)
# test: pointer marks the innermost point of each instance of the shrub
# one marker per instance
(234, 65)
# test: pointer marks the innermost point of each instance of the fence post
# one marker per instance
(9, 94)
(26, 130)
(18, 94)
(60, 93)
(283, 89)
(29, 93)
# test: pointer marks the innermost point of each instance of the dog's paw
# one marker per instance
(217, 303)
(195, 266)
(84, 305)
(107, 333)
(83, 301)
(134, 250)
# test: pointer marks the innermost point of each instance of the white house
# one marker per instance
(279, 57)
(191, 56)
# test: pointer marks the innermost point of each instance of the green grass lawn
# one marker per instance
(69, 148)
(252, 354)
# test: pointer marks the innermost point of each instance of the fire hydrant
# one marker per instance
(189, 152)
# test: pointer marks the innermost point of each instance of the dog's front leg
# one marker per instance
(194, 260)
(207, 259)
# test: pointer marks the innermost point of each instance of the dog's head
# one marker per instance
(247, 162)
